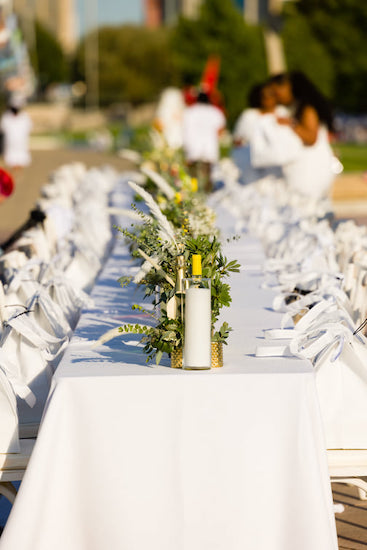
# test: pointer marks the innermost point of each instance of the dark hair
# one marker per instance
(306, 94)
(203, 97)
(14, 110)
(254, 96)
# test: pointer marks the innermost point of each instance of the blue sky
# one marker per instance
(112, 11)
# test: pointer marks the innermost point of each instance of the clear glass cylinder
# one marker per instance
(197, 324)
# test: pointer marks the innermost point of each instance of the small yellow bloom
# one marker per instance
(194, 185)
(178, 197)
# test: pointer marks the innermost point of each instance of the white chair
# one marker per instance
(13, 467)
(349, 467)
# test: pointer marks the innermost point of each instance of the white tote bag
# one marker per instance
(70, 299)
(9, 435)
(48, 315)
(11, 388)
(340, 361)
(83, 268)
(31, 351)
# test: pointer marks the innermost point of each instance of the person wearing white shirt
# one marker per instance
(263, 106)
(202, 124)
(169, 116)
(16, 126)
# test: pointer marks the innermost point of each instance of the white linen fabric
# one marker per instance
(310, 173)
(132, 456)
(273, 144)
(201, 126)
(247, 122)
(321, 276)
(9, 435)
(307, 169)
(246, 156)
(41, 297)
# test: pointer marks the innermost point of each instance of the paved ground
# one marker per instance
(350, 200)
(15, 210)
(352, 523)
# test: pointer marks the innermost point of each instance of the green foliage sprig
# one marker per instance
(194, 232)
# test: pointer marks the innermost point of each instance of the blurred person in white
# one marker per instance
(310, 171)
(262, 103)
(168, 119)
(202, 125)
(16, 126)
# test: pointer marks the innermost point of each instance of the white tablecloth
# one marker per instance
(132, 457)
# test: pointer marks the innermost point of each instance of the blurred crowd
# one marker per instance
(351, 129)
(285, 131)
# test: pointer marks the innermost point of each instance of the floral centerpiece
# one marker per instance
(177, 225)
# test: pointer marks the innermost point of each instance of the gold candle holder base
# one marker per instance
(176, 358)
(217, 356)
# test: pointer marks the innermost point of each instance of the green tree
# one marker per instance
(340, 25)
(49, 61)
(221, 30)
(305, 52)
(134, 64)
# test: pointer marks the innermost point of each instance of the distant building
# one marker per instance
(153, 14)
(158, 12)
(58, 16)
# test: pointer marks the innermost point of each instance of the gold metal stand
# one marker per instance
(217, 356)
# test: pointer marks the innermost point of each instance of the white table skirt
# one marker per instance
(132, 457)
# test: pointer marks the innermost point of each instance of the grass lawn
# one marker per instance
(352, 156)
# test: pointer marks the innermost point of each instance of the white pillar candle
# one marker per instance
(197, 339)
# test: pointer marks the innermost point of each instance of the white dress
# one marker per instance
(169, 113)
(310, 173)
(246, 124)
(16, 129)
(246, 130)
(201, 126)
(307, 169)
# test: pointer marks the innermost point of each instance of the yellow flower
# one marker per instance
(194, 185)
(178, 198)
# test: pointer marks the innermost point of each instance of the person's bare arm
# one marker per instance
(307, 128)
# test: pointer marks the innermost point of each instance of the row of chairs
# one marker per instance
(45, 278)
(320, 273)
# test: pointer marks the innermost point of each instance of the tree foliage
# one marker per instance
(49, 60)
(305, 52)
(134, 64)
(340, 26)
(221, 30)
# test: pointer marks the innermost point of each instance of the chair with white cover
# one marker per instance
(14, 453)
(30, 352)
(349, 466)
(13, 467)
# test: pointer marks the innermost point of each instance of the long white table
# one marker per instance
(133, 456)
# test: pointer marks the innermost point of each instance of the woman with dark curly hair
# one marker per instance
(311, 120)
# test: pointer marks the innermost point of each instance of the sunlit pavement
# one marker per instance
(350, 197)
(351, 524)
(14, 211)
